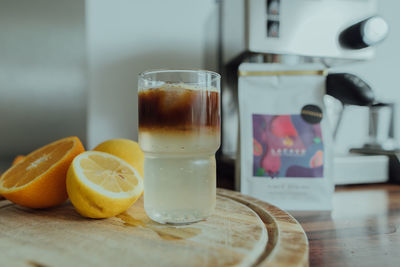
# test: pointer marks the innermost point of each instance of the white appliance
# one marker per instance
(292, 27)
(332, 32)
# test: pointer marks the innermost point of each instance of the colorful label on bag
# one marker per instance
(287, 146)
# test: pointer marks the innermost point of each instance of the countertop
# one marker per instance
(362, 229)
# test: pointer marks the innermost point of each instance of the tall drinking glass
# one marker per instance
(179, 132)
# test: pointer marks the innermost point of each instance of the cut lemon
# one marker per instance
(38, 180)
(125, 149)
(101, 185)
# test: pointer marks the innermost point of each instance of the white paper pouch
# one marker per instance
(285, 140)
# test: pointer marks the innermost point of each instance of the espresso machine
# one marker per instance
(330, 32)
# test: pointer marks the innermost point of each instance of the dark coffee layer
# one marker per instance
(178, 108)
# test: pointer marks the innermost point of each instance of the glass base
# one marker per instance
(177, 217)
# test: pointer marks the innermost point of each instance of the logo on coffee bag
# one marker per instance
(311, 114)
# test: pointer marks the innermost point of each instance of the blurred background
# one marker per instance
(69, 67)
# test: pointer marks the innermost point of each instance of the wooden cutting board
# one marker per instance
(243, 231)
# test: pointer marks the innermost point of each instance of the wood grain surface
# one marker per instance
(287, 244)
(362, 230)
(243, 231)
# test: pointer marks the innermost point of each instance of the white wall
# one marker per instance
(42, 74)
(126, 37)
(382, 73)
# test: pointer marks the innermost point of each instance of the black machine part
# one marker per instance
(349, 89)
(392, 151)
(365, 33)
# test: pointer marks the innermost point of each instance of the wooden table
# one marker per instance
(243, 231)
(362, 230)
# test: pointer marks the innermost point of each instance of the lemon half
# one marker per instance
(101, 185)
(125, 149)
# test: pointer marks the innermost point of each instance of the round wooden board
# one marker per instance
(243, 231)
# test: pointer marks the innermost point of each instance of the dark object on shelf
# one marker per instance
(225, 172)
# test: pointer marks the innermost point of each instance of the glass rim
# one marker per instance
(214, 75)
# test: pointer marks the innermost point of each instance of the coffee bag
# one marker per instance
(285, 140)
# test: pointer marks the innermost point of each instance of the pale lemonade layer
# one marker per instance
(179, 175)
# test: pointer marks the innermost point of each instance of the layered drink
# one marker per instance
(179, 132)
